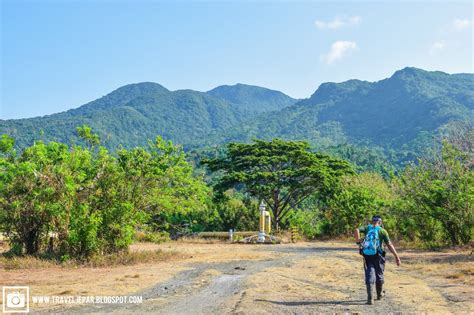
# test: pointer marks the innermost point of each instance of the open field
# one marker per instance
(307, 277)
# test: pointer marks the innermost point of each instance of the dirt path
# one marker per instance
(298, 279)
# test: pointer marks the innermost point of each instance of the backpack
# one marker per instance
(371, 244)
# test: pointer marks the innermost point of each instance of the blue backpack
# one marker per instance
(371, 244)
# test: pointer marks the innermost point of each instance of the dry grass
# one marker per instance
(425, 279)
(145, 265)
(455, 265)
(196, 240)
(204, 251)
(430, 282)
(117, 259)
(130, 258)
(26, 262)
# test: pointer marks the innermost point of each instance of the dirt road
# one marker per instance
(301, 279)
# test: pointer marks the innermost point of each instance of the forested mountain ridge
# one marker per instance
(400, 113)
(253, 98)
(403, 113)
(134, 113)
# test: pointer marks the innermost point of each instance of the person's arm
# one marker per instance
(357, 235)
(394, 252)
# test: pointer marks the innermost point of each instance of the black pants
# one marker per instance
(374, 267)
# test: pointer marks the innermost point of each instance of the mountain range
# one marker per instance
(401, 113)
(135, 113)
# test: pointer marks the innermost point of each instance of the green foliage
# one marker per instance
(177, 197)
(88, 200)
(32, 190)
(308, 221)
(237, 212)
(92, 201)
(134, 113)
(437, 197)
(355, 201)
(283, 173)
(400, 118)
(152, 236)
(85, 133)
(6, 144)
(402, 115)
(366, 159)
(253, 98)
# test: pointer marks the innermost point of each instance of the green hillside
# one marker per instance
(400, 116)
(134, 113)
(402, 113)
(253, 98)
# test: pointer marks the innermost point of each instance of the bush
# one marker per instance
(153, 237)
(88, 201)
(307, 221)
(355, 201)
(437, 200)
(237, 213)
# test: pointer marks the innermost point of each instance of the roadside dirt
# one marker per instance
(303, 278)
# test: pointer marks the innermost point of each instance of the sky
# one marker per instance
(57, 55)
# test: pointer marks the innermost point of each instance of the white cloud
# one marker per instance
(339, 50)
(437, 46)
(338, 23)
(461, 24)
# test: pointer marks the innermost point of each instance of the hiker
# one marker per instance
(372, 248)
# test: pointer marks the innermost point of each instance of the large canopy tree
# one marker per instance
(282, 173)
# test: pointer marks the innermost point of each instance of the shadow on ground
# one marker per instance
(315, 249)
(301, 303)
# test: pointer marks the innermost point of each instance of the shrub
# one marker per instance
(153, 237)
(307, 221)
(89, 201)
(355, 201)
(437, 200)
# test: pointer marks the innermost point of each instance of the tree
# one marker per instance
(161, 183)
(89, 200)
(355, 201)
(35, 192)
(237, 212)
(439, 193)
(282, 173)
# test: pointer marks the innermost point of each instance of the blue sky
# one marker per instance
(57, 55)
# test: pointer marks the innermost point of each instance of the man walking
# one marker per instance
(372, 248)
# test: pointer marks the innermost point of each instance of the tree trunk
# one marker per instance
(31, 242)
(453, 233)
(276, 209)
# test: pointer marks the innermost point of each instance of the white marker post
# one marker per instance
(261, 232)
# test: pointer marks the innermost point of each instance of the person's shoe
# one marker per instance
(380, 292)
(370, 299)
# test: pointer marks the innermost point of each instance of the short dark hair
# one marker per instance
(376, 218)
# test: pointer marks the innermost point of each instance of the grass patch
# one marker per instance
(25, 262)
(128, 258)
(98, 261)
(458, 275)
(195, 240)
(463, 274)
(152, 237)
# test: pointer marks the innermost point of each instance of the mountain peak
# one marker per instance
(142, 88)
(412, 72)
(252, 98)
(123, 95)
(329, 89)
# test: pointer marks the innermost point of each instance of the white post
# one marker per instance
(261, 232)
